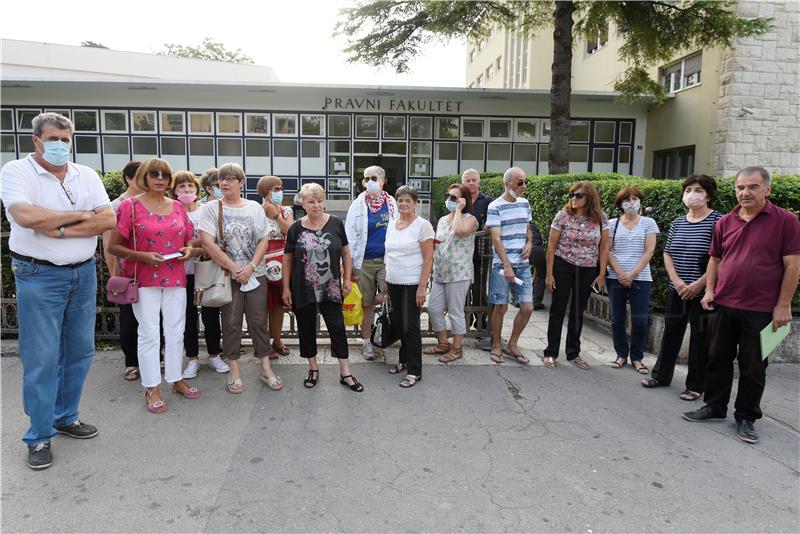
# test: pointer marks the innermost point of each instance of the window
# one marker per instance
(87, 144)
(25, 144)
(603, 160)
(420, 154)
(115, 121)
(144, 147)
(420, 127)
(682, 74)
(67, 113)
(366, 147)
(500, 129)
(597, 41)
(396, 148)
(256, 123)
(172, 122)
(6, 120)
(24, 118)
(526, 129)
(603, 132)
(173, 146)
(7, 145)
(338, 126)
(256, 148)
(446, 128)
(201, 123)
(284, 149)
(472, 129)
(525, 157)
(578, 158)
(339, 157)
(624, 160)
(201, 146)
(143, 121)
(256, 156)
(229, 123)
(498, 157)
(579, 131)
(312, 125)
(625, 132)
(367, 126)
(115, 145)
(85, 121)
(394, 127)
(284, 125)
(673, 163)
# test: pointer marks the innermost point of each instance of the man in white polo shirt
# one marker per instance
(56, 210)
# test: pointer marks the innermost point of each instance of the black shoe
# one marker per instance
(40, 456)
(704, 414)
(78, 430)
(746, 431)
(537, 307)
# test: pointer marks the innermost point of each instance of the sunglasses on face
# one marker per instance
(453, 198)
(371, 178)
(158, 174)
(577, 196)
(521, 183)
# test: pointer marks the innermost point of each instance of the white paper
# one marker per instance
(250, 285)
(171, 255)
(518, 281)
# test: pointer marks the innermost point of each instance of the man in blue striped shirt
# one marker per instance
(508, 221)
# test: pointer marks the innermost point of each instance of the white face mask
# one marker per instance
(694, 200)
(373, 187)
(631, 206)
(512, 194)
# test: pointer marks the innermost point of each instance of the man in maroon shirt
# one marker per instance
(750, 280)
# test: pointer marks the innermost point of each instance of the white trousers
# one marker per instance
(170, 303)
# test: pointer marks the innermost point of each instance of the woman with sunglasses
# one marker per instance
(577, 243)
(366, 223)
(153, 236)
(632, 243)
(244, 235)
(452, 273)
(279, 219)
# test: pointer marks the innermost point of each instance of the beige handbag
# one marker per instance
(212, 283)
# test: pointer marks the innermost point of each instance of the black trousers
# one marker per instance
(735, 336)
(479, 290)
(212, 330)
(128, 335)
(573, 287)
(539, 261)
(307, 328)
(677, 313)
(405, 317)
(190, 331)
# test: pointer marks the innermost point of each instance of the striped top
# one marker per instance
(512, 218)
(688, 244)
(629, 246)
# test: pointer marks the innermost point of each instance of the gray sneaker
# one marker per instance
(77, 430)
(40, 456)
(369, 350)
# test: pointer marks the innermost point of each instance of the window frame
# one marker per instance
(132, 123)
(220, 114)
(212, 123)
(161, 122)
(96, 120)
(267, 116)
(122, 112)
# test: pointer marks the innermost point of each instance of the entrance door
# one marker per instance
(395, 167)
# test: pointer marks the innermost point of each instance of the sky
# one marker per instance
(294, 37)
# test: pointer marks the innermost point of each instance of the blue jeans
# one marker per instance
(56, 308)
(499, 287)
(639, 297)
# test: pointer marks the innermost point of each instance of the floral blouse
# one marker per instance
(452, 255)
(579, 243)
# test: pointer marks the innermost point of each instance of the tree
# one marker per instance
(392, 32)
(92, 44)
(209, 50)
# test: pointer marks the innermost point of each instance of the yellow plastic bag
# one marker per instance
(351, 307)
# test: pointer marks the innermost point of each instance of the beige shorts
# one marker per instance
(371, 277)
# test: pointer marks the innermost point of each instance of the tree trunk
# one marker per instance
(561, 87)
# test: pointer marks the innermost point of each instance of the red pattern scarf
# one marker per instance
(375, 203)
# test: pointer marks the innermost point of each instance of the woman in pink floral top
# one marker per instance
(577, 243)
(161, 227)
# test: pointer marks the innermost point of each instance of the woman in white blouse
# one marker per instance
(409, 260)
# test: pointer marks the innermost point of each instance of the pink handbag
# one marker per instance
(120, 289)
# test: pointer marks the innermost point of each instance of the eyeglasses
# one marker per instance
(229, 179)
(521, 183)
(371, 178)
(453, 198)
(159, 174)
(68, 193)
(577, 196)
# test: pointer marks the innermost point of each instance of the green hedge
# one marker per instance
(548, 194)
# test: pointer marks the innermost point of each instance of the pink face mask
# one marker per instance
(694, 200)
(187, 198)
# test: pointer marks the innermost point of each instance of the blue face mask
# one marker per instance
(450, 205)
(217, 193)
(56, 152)
(277, 197)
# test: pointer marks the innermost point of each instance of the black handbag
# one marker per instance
(384, 332)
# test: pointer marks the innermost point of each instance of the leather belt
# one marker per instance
(36, 261)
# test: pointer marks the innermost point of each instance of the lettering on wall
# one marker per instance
(394, 104)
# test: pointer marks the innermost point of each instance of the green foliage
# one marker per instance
(209, 50)
(548, 194)
(114, 183)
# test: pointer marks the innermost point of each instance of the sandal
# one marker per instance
(187, 391)
(549, 362)
(452, 356)
(438, 349)
(651, 383)
(689, 395)
(519, 357)
(158, 406)
(355, 386)
(642, 369)
(272, 382)
(617, 365)
(311, 379)
(496, 358)
(580, 362)
(131, 374)
(273, 355)
(410, 381)
(235, 386)
(282, 350)
(397, 368)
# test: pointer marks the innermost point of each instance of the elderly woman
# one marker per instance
(685, 258)
(409, 259)
(150, 227)
(366, 223)
(316, 256)
(632, 243)
(244, 236)
(577, 242)
(452, 273)
(279, 219)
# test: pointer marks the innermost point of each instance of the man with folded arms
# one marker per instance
(751, 277)
(56, 209)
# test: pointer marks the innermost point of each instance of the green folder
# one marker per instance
(770, 339)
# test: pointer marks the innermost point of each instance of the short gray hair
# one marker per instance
(407, 190)
(377, 170)
(470, 172)
(755, 170)
(508, 176)
(231, 169)
(53, 119)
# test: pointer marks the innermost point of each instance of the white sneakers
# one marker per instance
(215, 362)
(369, 350)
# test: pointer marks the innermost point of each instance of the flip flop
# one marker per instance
(651, 383)
(519, 358)
(496, 358)
(642, 369)
(689, 395)
(549, 362)
(616, 365)
(579, 362)
(131, 374)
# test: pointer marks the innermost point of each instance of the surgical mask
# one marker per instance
(450, 205)
(694, 200)
(277, 197)
(187, 198)
(631, 206)
(217, 193)
(56, 152)
(513, 194)
(373, 187)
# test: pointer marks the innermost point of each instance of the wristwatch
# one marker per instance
(61, 232)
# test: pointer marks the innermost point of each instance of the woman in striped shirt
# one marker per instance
(685, 258)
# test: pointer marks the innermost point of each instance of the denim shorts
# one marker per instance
(499, 288)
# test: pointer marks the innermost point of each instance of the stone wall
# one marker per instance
(761, 74)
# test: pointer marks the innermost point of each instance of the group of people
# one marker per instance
(158, 229)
